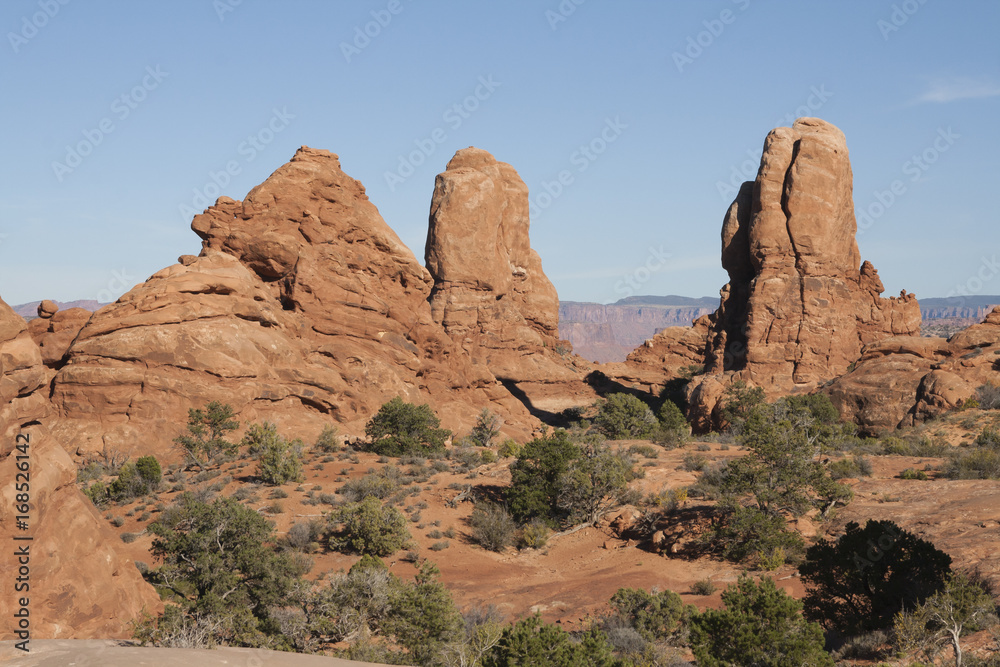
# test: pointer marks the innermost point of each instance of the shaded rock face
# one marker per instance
(901, 381)
(303, 307)
(80, 586)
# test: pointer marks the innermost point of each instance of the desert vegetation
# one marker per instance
(871, 590)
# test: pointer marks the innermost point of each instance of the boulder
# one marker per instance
(47, 308)
(56, 333)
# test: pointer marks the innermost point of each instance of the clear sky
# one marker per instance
(121, 118)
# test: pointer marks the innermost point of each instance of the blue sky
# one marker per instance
(122, 117)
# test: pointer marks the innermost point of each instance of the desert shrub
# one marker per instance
(305, 535)
(531, 641)
(91, 470)
(135, 479)
(533, 535)
(858, 583)
(819, 407)
(219, 554)
(467, 458)
(368, 527)
(854, 466)
(988, 437)
(980, 462)
(423, 617)
(913, 473)
(988, 396)
(149, 472)
(118, 521)
(738, 401)
(440, 546)
(492, 526)
(486, 430)
(509, 447)
(381, 485)
(646, 451)
(328, 440)
(623, 416)
(258, 437)
(782, 473)
(206, 436)
(535, 475)
(961, 606)
(594, 483)
(923, 446)
(673, 429)
(760, 625)
(694, 462)
(98, 493)
(656, 616)
(129, 538)
(703, 587)
(868, 646)
(751, 534)
(280, 463)
(401, 428)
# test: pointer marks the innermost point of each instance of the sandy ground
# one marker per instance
(111, 653)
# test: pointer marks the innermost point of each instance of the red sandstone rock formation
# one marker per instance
(79, 585)
(490, 294)
(903, 380)
(55, 330)
(304, 308)
(799, 305)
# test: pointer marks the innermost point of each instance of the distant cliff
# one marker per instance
(608, 332)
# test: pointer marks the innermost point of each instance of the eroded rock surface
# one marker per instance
(904, 380)
(79, 585)
(490, 294)
(800, 305)
(303, 307)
